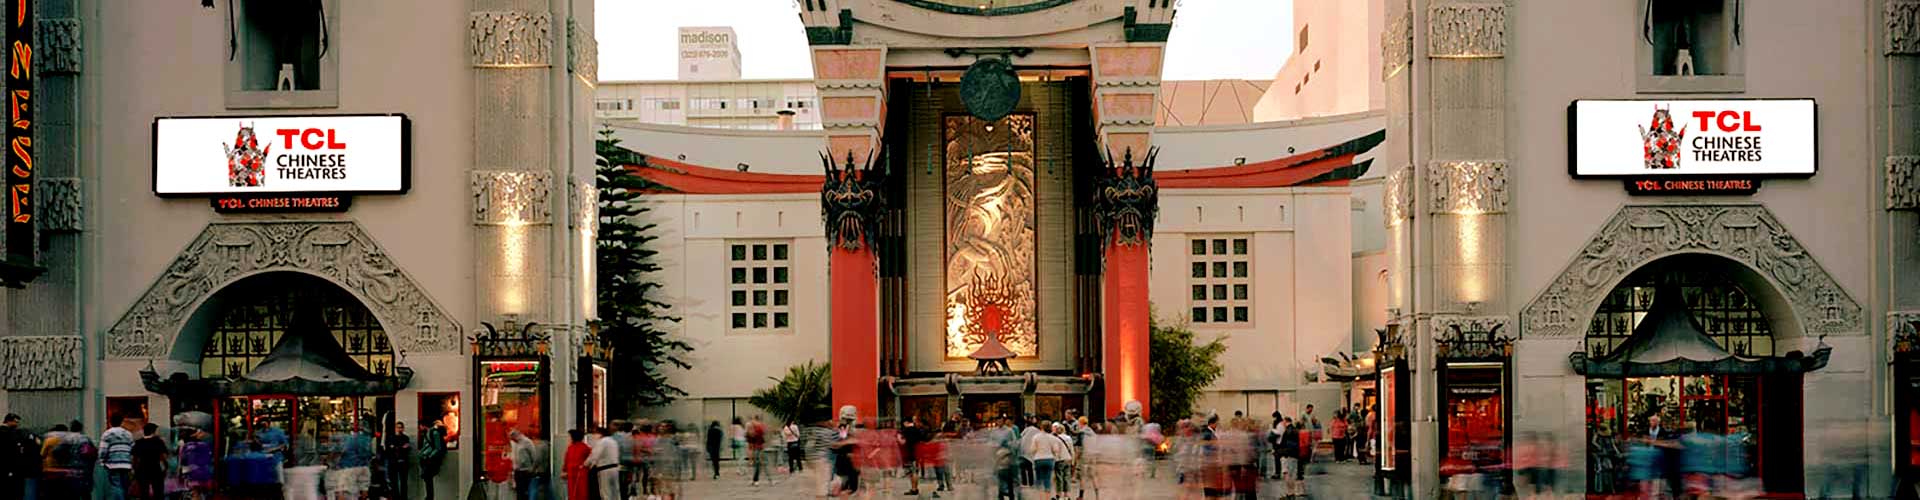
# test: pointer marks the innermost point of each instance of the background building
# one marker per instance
(792, 104)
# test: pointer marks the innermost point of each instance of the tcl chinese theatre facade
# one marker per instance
(312, 216)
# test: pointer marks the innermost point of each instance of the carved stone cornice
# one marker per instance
(1399, 195)
(1903, 188)
(1903, 332)
(1467, 31)
(508, 197)
(41, 362)
(59, 49)
(338, 251)
(1639, 234)
(1396, 45)
(583, 53)
(1902, 19)
(510, 38)
(58, 205)
(1467, 187)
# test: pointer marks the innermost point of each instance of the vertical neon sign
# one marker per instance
(19, 115)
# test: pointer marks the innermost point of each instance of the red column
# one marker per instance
(1126, 325)
(854, 330)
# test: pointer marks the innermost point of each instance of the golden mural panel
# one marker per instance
(990, 221)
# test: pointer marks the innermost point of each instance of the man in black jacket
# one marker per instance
(19, 455)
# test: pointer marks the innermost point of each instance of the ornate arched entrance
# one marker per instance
(339, 252)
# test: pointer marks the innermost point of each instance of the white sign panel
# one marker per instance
(709, 53)
(1755, 137)
(280, 154)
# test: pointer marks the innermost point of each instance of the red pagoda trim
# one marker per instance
(687, 178)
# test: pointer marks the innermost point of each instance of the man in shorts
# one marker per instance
(350, 476)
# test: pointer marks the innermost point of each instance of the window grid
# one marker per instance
(1724, 311)
(759, 286)
(1220, 280)
(247, 332)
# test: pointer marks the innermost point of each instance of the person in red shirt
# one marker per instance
(756, 441)
(575, 472)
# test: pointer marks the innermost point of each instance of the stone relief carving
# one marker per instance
(1467, 30)
(59, 50)
(511, 197)
(41, 362)
(1471, 336)
(583, 53)
(1399, 195)
(58, 206)
(586, 206)
(1396, 45)
(1903, 189)
(1467, 187)
(510, 38)
(336, 250)
(1638, 234)
(1903, 27)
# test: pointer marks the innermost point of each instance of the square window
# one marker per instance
(780, 251)
(1240, 269)
(1219, 292)
(1199, 314)
(779, 320)
(1199, 292)
(1199, 269)
(1220, 246)
(759, 320)
(1240, 292)
(739, 320)
(739, 297)
(759, 297)
(779, 297)
(1199, 247)
(780, 275)
(1219, 269)
(1239, 246)
(1220, 314)
(1240, 314)
(759, 252)
(739, 275)
(739, 252)
(759, 275)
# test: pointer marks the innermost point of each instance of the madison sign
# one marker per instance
(1727, 139)
(272, 156)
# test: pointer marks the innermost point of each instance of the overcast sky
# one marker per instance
(1211, 38)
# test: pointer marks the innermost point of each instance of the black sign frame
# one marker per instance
(20, 116)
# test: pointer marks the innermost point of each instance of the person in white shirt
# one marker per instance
(790, 435)
(604, 462)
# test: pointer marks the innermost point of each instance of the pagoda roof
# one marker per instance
(1670, 342)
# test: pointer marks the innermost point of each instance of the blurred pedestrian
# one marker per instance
(790, 436)
(397, 451)
(521, 459)
(116, 447)
(350, 475)
(574, 469)
(149, 464)
(432, 450)
(19, 457)
(913, 435)
(603, 465)
(196, 463)
(756, 442)
(1338, 433)
(715, 438)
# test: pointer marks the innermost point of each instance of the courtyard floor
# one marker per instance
(1334, 482)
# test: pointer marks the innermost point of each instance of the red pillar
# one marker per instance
(854, 330)
(1126, 329)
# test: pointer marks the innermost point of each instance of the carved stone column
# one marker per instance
(511, 47)
(1458, 181)
(1126, 82)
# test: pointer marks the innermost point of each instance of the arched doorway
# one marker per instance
(286, 361)
(1682, 362)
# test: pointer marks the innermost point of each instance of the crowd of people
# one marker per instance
(148, 462)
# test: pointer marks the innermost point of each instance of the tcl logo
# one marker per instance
(315, 138)
(1727, 121)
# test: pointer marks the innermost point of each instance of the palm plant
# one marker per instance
(804, 394)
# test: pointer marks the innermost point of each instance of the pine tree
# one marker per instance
(630, 319)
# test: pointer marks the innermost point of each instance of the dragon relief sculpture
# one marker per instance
(1126, 199)
(851, 201)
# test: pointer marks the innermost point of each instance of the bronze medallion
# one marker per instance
(990, 89)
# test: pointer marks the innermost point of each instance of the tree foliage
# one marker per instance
(1180, 369)
(631, 320)
(805, 394)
